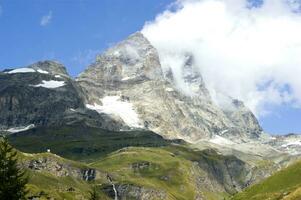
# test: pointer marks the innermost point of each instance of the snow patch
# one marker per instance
(116, 53)
(21, 128)
(58, 76)
(169, 89)
(21, 70)
(42, 71)
(294, 143)
(224, 131)
(50, 84)
(112, 105)
(221, 140)
(128, 78)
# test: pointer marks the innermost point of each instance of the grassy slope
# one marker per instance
(179, 185)
(82, 143)
(164, 162)
(162, 165)
(45, 184)
(99, 146)
(285, 184)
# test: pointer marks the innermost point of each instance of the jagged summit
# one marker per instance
(52, 67)
(42, 67)
(133, 59)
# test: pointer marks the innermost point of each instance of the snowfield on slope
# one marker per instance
(21, 128)
(21, 70)
(42, 71)
(50, 84)
(221, 140)
(112, 105)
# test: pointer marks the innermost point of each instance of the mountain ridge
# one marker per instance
(126, 88)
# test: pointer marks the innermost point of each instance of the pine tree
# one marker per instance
(12, 178)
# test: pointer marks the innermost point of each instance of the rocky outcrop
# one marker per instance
(60, 168)
(130, 191)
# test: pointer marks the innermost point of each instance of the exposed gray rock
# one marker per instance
(130, 191)
(60, 168)
(44, 98)
(132, 70)
(52, 67)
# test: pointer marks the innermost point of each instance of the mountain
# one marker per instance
(43, 94)
(160, 137)
(128, 83)
(129, 74)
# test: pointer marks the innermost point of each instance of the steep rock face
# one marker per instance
(243, 118)
(131, 73)
(130, 191)
(43, 94)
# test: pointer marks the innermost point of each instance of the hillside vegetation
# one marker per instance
(150, 172)
(283, 185)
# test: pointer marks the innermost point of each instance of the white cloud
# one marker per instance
(46, 19)
(253, 54)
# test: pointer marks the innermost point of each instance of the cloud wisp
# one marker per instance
(243, 49)
(46, 19)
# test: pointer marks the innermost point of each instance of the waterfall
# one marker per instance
(114, 188)
(115, 191)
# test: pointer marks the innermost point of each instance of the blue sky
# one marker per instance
(73, 32)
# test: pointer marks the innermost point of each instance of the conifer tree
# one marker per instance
(12, 177)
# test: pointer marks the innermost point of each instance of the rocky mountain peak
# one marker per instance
(49, 66)
(133, 59)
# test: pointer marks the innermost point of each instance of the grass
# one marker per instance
(170, 168)
(164, 171)
(285, 184)
(46, 185)
(82, 143)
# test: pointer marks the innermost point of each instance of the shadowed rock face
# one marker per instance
(45, 96)
(132, 70)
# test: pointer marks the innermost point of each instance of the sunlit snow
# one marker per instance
(296, 143)
(112, 105)
(127, 78)
(42, 71)
(19, 129)
(50, 84)
(221, 141)
(21, 70)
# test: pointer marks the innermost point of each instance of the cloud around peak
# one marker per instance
(248, 50)
(46, 19)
